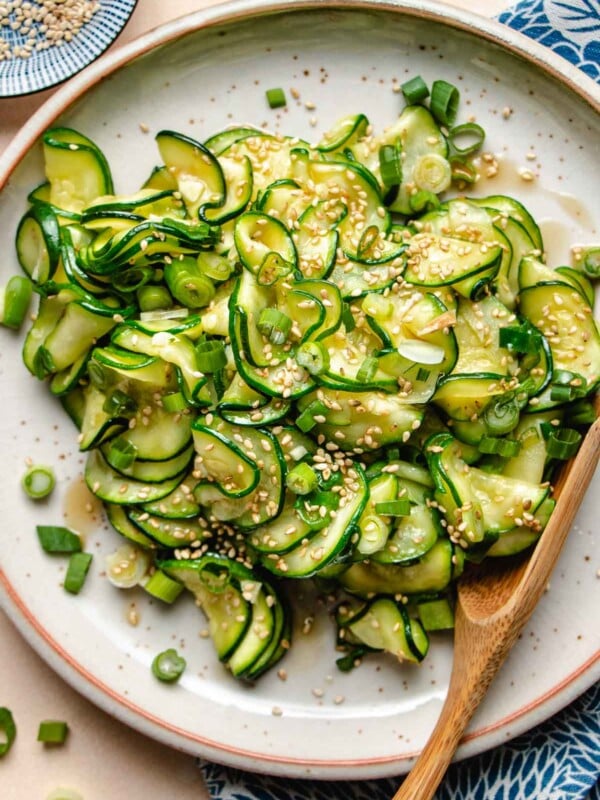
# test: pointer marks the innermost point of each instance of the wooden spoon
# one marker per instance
(494, 603)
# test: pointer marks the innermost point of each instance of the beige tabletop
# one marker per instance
(102, 759)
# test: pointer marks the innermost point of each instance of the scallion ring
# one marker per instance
(302, 479)
(153, 298)
(432, 173)
(57, 539)
(16, 299)
(393, 508)
(314, 357)
(163, 587)
(38, 482)
(77, 570)
(444, 102)
(415, 90)
(507, 448)
(274, 324)
(122, 454)
(367, 370)
(8, 731)
(52, 731)
(173, 402)
(467, 138)
(168, 666)
(501, 416)
(390, 166)
(210, 356)
(306, 420)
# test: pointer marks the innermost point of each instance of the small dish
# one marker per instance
(59, 42)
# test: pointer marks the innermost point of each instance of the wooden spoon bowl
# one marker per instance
(495, 600)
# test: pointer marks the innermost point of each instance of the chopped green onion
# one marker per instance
(522, 339)
(367, 241)
(163, 587)
(174, 402)
(314, 357)
(394, 508)
(52, 732)
(98, 375)
(38, 482)
(561, 394)
(8, 731)
(122, 454)
(432, 173)
(62, 793)
(276, 98)
(274, 324)
(127, 566)
(77, 571)
(462, 170)
(390, 166)
(444, 102)
(152, 298)
(272, 268)
(302, 479)
(591, 261)
(473, 135)
(507, 448)
(502, 415)
(306, 420)
(582, 413)
(56, 539)
(561, 443)
(16, 300)
(567, 386)
(367, 370)
(168, 666)
(132, 279)
(214, 266)
(415, 90)
(119, 404)
(211, 356)
(187, 284)
(424, 201)
(423, 374)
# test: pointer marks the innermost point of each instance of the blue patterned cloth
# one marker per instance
(560, 759)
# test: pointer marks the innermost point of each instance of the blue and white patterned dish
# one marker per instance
(48, 67)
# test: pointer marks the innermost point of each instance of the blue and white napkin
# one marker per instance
(560, 759)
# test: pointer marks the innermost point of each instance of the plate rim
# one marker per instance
(14, 607)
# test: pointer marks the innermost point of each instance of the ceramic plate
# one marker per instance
(45, 65)
(198, 75)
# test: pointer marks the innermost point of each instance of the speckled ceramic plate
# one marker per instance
(52, 59)
(201, 74)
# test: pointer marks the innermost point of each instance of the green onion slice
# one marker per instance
(390, 166)
(367, 241)
(507, 448)
(432, 173)
(56, 539)
(462, 170)
(467, 138)
(52, 731)
(276, 98)
(122, 454)
(306, 420)
(314, 357)
(444, 102)
(8, 731)
(274, 324)
(591, 261)
(415, 90)
(77, 571)
(561, 443)
(119, 404)
(174, 402)
(210, 356)
(214, 266)
(302, 479)
(501, 416)
(348, 318)
(38, 482)
(394, 508)
(163, 587)
(152, 298)
(523, 339)
(168, 666)
(424, 201)
(17, 297)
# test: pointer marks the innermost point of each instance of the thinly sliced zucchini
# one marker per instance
(111, 487)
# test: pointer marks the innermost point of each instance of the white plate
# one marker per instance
(345, 60)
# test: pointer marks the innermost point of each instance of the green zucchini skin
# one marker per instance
(290, 362)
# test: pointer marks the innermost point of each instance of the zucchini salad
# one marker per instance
(292, 361)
